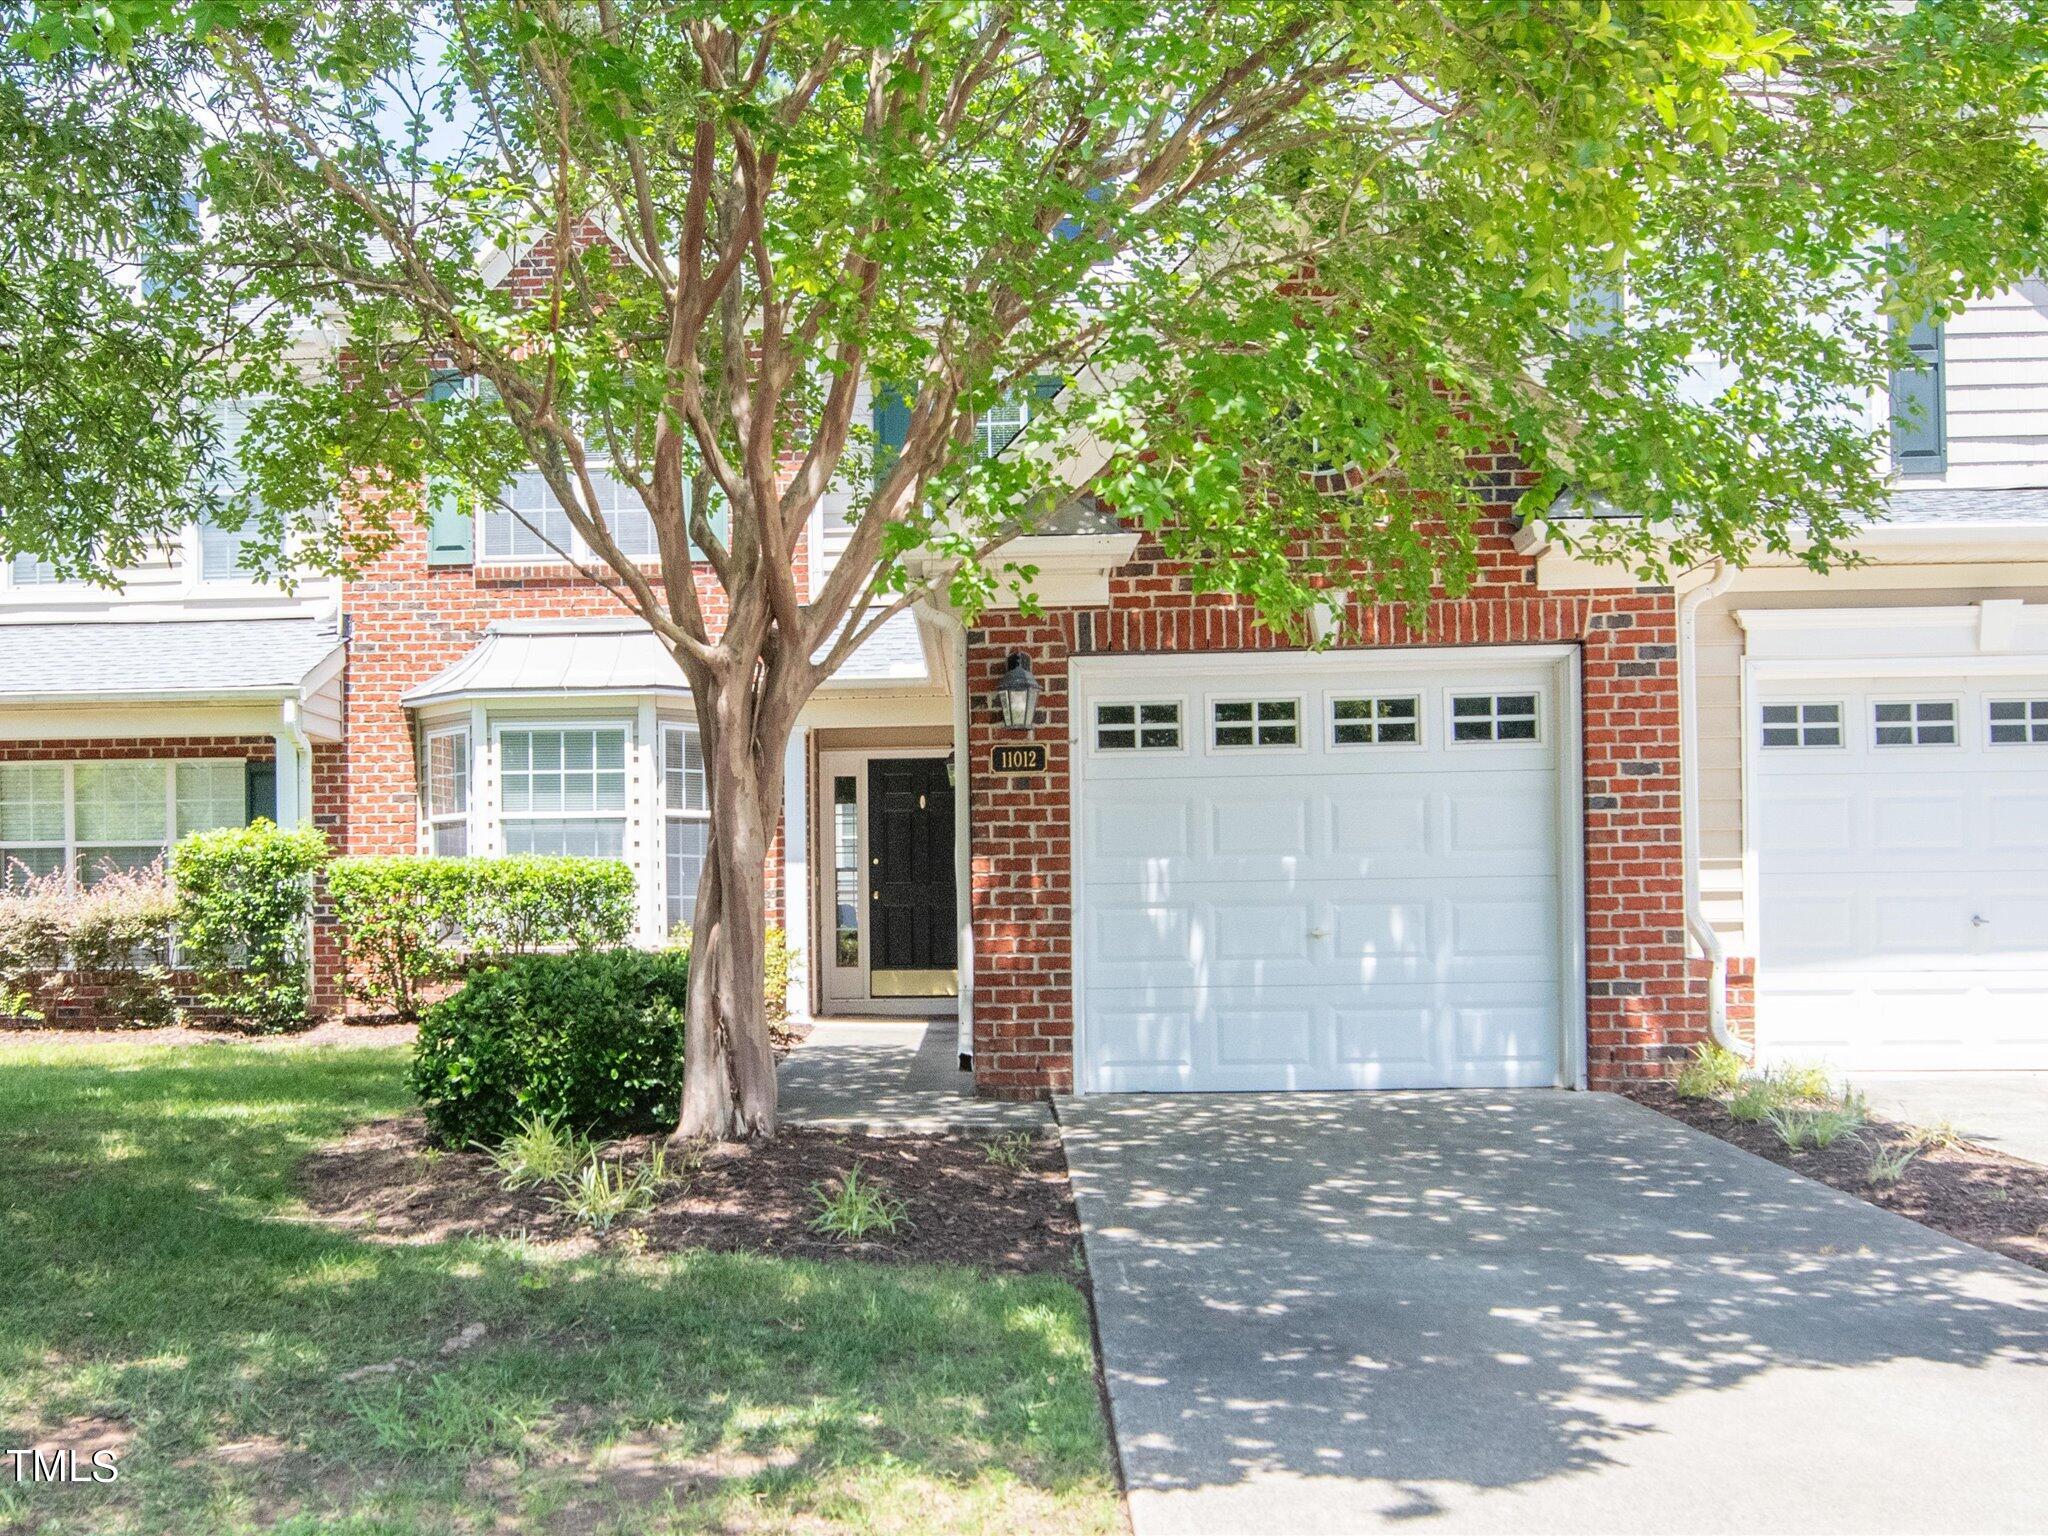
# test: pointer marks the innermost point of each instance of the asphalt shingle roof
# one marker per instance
(1915, 508)
(200, 658)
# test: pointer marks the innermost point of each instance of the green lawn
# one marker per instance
(155, 1288)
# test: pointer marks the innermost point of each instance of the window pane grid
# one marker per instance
(92, 818)
(1376, 721)
(1802, 725)
(1137, 727)
(563, 771)
(1255, 722)
(2019, 722)
(447, 792)
(1920, 723)
(1493, 717)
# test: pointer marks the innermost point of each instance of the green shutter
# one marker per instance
(1919, 424)
(451, 529)
(260, 789)
(1046, 386)
(892, 427)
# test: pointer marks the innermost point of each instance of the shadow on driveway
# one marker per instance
(1536, 1311)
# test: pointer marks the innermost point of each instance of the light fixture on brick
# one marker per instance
(1017, 694)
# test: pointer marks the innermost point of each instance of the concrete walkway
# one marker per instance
(1531, 1312)
(881, 1075)
(2005, 1110)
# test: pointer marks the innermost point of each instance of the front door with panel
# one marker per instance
(913, 939)
(887, 915)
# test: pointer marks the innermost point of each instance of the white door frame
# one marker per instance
(1173, 668)
(853, 994)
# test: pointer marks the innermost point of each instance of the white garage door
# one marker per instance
(1902, 845)
(1317, 874)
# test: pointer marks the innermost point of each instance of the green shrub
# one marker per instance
(1713, 1071)
(778, 958)
(245, 895)
(114, 933)
(593, 1042)
(408, 923)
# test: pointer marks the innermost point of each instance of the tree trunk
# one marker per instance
(728, 1061)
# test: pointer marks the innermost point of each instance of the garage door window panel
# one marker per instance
(1802, 725)
(1235, 724)
(2019, 722)
(1389, 720)
(1914, 723)
(1138, 726)
(1494, 717)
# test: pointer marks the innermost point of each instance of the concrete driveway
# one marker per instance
(1536, 1312)
(2005, 1110)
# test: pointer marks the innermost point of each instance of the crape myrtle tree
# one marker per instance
(1292, 263)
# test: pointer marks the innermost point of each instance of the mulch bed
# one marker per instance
(1969, 1192)
(386, 1181)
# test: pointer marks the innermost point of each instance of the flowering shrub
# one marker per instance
(57, 937)
(408, 922)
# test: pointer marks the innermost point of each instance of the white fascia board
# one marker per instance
(1879, 544)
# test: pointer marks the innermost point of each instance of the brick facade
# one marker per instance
(1644, 1005)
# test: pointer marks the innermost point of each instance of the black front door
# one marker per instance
(910, 870)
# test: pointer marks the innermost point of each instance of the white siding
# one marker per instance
(1996, 355)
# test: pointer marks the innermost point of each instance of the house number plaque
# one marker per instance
(1023, 757)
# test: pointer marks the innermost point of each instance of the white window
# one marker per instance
(686, 818)
(1376, 721)
(92, 818)
(447, 796)
(531, 524)
(996, 427)
(28, 571)
(1493, 717)
(32, 821)
(2019, 722)
(563, 789)
(1802, 725)
(1919, 723)
(221, 552)
(1255, 722)
(1138, 727)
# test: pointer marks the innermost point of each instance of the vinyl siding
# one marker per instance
(1996, 355)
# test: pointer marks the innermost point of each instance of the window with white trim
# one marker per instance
(1493, 717)
(1802, 725)
(1138, 727)
(447, 796)
(1255, 722)
(89, 819)
(531, 524)
(1385, 720)
(686, 819)
(2018, 722)
(28, 571)
(995, 428)
(562, 789)
(221, 552)
(1916, 723)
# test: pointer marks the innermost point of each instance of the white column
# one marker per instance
(796, 877)
(644, 821)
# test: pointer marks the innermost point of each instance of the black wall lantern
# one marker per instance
(1017, 694)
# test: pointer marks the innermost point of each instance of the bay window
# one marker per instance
(447, 792)
(562, 789)
(686, 819)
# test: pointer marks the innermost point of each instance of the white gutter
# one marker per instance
(1688, 802)
(948, 623)
(294, 733)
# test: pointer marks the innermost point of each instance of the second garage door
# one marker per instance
(1902, 843)
(1315, 873)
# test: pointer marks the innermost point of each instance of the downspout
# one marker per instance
(955, 632)
(1688, 801)
(302, 761)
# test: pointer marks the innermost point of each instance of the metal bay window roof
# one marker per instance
(623, 656)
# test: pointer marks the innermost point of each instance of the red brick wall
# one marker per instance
(1644, 1006)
